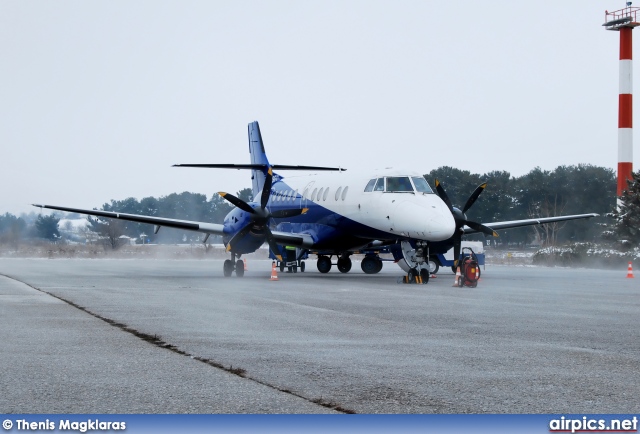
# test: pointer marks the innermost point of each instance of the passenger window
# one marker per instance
(370, 185)
(398, 184)
(306, 192)
(421, 184)
(344, 192)
(379, 185)
(313, 194)
(326, 193)
(339, 190)
(319, 195)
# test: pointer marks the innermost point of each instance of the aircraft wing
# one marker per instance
(529, 222)
(208, 228)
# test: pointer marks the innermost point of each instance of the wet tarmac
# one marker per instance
(174, 336)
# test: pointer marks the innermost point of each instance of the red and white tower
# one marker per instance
(623, 21)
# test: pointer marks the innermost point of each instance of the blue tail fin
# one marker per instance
(258, 156)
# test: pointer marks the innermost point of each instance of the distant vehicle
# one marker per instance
(332, 213)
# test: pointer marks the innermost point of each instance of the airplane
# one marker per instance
(331, 213)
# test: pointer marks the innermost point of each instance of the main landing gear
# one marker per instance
(371, 264)
(231, 265)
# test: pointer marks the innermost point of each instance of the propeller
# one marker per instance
(461, 218)
(260, 215)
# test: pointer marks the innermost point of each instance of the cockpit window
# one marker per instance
(398, 184)
(379, 185)
(369, 186)
(421, 184)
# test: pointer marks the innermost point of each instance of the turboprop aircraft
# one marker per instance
(331, 213)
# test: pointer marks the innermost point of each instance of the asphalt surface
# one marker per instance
(174, 336)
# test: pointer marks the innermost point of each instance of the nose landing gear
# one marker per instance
(415, 257)
(231, 265)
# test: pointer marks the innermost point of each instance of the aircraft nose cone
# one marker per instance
(427, 222)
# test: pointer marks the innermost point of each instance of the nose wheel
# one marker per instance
(416, 276)
(231, 265)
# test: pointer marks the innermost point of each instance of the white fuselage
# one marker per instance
(398, 214)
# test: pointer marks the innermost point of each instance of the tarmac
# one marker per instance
(174, 336)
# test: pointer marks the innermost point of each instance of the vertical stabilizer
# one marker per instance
(258, 156)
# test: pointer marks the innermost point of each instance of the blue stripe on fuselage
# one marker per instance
(327, 228)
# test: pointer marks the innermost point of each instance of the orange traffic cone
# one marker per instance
(245, 264)
(630, 271)
(458, 276)
(274, 273)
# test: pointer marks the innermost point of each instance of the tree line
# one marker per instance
(540, 193)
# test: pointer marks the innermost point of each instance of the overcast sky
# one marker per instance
(98, 99)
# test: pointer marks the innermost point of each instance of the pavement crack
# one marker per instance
(159, 342)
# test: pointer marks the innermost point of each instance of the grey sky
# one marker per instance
(99, 99)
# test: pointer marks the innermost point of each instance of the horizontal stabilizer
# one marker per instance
(260, 166)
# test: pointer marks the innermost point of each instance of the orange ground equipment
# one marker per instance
(469, 269)
(630, 271)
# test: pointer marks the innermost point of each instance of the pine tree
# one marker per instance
(628, 213)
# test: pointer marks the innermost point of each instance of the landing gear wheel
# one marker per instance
(302, 266)
(239, 268)
(324, 264)
(281, 267)
(295, 268)
(227, 268)
(344, 264)
(424, 274)
(371, 265)
(433, 266)
(289, 269)
(412, 275)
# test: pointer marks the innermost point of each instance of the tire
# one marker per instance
(282, 267)
(227, 268)
(239, 268)
(344, 264)
(324, 264)
(302, 267)
(433, 266)
(425, 274)
(295, 268)
(371, 265)
(412, 275)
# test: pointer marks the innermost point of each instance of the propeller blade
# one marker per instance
(244, 206)
(474, 197)
(285, 213)
(238, 236)
(481, 228)
(272, 243)
(457, 241)
(443, 195)
(266, 188)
